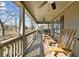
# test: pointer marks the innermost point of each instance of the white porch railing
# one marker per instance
(16, 46)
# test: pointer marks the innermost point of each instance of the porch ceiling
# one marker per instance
(46, 12)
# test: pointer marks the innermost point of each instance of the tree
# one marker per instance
(2, 28)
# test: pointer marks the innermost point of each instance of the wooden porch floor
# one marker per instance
(36, 49)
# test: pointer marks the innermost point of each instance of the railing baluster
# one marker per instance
(4, 51)
(10, 50)
(1, 51)
(21, 47)
(16, 48)
(14, 53)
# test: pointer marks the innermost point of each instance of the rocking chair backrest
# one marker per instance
(60, 39)
(65, 37)
(65, 42)
(71, 39)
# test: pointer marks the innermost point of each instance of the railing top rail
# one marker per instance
(17, 37)
(30, 32)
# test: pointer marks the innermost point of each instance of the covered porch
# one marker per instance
(47, 19)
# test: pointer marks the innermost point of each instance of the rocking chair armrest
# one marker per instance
(57, 45)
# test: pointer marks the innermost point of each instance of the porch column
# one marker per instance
(22, 28)
(62, 22)
(51, 29)
(48, 29)
(22, 21)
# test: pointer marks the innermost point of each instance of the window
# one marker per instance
(58, 25)
(29, 24)
(9, 16)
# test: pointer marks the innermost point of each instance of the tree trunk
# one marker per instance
(2, 27)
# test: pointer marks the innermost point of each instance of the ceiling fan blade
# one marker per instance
(43, 4)
(53, 5)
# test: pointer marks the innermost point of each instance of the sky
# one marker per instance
(9, 9)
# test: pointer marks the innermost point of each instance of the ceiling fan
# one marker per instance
(53, 4)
